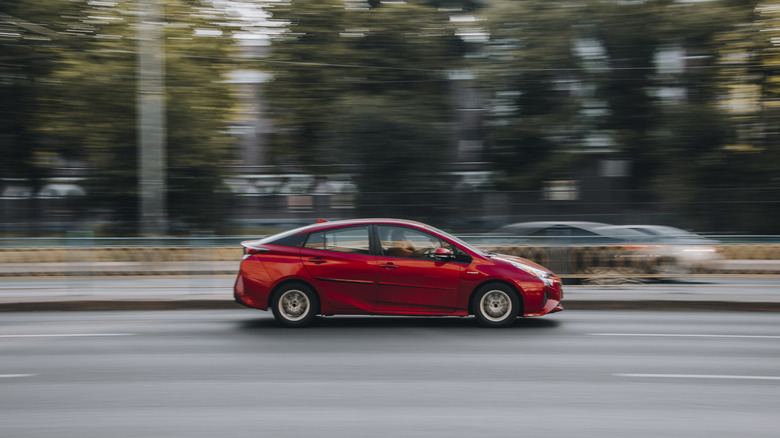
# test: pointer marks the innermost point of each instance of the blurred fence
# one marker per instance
(464, 208)
(211, 255)
(68, 256)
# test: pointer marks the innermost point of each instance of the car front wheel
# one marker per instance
(295, 305)
(496, 305)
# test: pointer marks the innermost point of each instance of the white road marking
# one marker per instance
(68, 335)
(10, 376)
(698, 376)
(683, 335)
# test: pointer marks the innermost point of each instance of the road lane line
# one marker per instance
(699, 376)
(11, 376)
(67, 335)
(683, 335)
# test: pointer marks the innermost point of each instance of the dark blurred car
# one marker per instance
(569, 233)
(683, 250)
(389, 267)
(653, 249)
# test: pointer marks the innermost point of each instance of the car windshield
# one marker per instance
(619, 232)
(666, 231)
(457, 240)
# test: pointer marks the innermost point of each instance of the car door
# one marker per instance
(343, 268)
(410, 279)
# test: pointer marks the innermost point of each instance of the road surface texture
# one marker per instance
(235, 373)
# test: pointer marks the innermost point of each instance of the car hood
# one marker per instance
(523, 261)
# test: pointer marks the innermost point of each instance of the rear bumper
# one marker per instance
(240, 300)
(238, 292)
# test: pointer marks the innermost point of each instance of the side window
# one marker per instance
(294, 240)
(352, 240)
(579, 232)
(556, 231)
(410, 243)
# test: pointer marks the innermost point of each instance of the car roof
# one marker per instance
(323, 225)
(659, 228)
(367, 221)
(538, 225)
(667, 232)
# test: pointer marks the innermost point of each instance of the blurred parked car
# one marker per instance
(569, 233)
(650, 249)
(582, 252)
(684, 251)
(389, 267)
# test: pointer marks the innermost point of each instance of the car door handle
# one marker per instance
(389, 266)
(317, 261)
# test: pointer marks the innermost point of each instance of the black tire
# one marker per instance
(295, 305)
(496, 305)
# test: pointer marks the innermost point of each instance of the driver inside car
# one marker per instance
(401, 246)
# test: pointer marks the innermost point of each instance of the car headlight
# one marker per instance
(545, 276)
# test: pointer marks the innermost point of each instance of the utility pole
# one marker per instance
(151, 128)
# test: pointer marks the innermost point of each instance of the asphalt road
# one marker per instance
(234, 373)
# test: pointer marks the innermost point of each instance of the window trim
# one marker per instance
(338, 229)
(380, 251)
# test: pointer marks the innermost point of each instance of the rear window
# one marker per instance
(293, 240)
(352, 240)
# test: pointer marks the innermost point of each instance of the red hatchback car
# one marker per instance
(388, 267)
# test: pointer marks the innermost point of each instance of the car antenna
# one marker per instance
(320, 220)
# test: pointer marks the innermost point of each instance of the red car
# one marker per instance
(388, 267)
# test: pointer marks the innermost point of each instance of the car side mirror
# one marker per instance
(443, 254)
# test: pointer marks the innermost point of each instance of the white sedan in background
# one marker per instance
(686, 251)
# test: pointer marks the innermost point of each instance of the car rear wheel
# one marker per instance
(295, 305)
(496, 305)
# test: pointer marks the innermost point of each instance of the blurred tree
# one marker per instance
(367, 85)
(306, 64)
(89, 107)
(396, 112)
(748, 77)
(535, 120)
(663, 88)
(31, 36)
(396, 144)
(635, 80)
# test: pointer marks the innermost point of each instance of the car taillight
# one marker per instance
(249, 252)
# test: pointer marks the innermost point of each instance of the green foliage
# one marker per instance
(305, 64)
(570, 71)
(366, 87)
(28, 45)
(396, 142)
(89, 108)
(535, 122)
